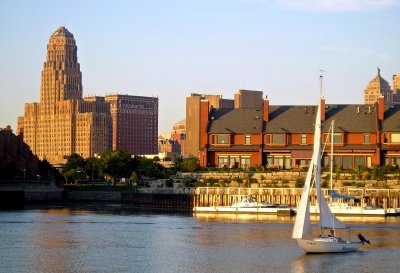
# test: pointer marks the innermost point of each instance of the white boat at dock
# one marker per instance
(248, 205)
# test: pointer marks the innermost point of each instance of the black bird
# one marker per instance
(362, 239)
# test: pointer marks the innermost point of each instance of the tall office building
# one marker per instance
(134, 123)
(63, 122)
(377, 87)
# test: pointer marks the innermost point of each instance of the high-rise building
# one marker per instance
(134, 123)
(377, 87)
(63, 122)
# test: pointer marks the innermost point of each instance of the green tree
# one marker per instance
(93, 167)
(117, 164)
(147, 167)
(156, 159)
(74, 168)
(190, 164)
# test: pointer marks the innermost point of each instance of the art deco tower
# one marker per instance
(61, 75)
(63, 122)
(377, 87)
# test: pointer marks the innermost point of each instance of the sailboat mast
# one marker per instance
(332, 125)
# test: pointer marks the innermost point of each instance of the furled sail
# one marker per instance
(302, 225)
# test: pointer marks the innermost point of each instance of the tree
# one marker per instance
(156, 159)
(74, 168)
(148, 167)
(117, 164)
(190, 164)
(93, 167)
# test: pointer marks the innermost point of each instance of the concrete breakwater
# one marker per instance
(163, 198)
(17, 193)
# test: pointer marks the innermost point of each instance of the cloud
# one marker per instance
(336, 5)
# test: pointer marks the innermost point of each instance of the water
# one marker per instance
(111, 238)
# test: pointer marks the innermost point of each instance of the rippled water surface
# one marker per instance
(112, 238)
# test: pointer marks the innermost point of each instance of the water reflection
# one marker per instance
(111, 237)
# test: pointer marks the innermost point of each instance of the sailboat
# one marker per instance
(302, 226)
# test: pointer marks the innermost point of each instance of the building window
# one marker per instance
(244, 162)
(223, 139)
(234, 162)
(222, 161)
(395, 138)
(336, 162)
(277, 139)
(337, 138)
(347, 162)
(367, 139)
(385, 138)
(359, 161)
(303, 139)
(247, 139)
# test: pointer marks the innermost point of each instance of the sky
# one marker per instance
(170, 49)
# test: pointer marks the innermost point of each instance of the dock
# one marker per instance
(221, 199)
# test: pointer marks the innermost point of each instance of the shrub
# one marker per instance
(300, 182)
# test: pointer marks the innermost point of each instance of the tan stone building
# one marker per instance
(377, 87)
(63, 122)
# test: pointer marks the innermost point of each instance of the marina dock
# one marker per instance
(219, 199)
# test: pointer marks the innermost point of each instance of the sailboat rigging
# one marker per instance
(302, 226)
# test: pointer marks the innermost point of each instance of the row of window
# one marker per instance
(225, 139)
(344, 162)
(285, 139)
(233, 162)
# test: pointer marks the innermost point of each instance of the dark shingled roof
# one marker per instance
(351, 118)
(300, 119)
(391, 123)
(237, 121)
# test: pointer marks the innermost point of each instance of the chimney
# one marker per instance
(266, 110)
(381, 108)
(322, 108)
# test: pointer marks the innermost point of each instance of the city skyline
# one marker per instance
(171, 49)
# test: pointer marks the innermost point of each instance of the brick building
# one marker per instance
(134, 123)
(282, 136)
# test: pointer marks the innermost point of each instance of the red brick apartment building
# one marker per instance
(281, 136)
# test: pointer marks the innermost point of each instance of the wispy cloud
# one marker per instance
(336, 5)
(352, 50)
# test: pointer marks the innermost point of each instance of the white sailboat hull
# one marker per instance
(325, 245)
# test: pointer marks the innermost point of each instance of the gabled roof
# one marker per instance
(391, 123)
(291, 119)
(353, 118)
(236, 121)
(300, 119)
